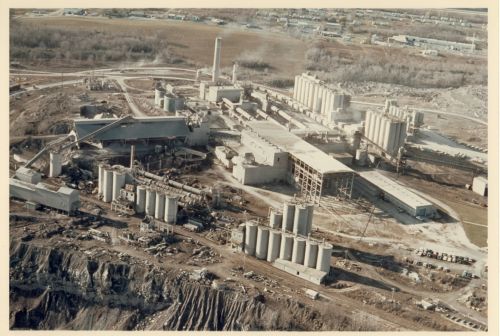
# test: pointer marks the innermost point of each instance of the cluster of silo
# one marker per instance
(270, 244)
(295, 218)
(386, 132)
(110, 181)
(157, 204)
(313, 93)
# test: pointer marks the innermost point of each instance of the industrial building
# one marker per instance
(385, 131)
(40, 194)
(374, 184)
(281, 155)
(217, 89)
(430, 43)
(319, 98)
(140, 130)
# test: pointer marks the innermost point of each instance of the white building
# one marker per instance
(480, 185)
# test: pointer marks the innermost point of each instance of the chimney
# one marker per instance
(235, 68)
(216, 67)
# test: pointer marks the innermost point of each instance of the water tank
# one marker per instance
(311, 254)
(100, 181)
(250, 238)
(107, 192)
(140, 203)
(275, 219)
(286, 246)
(159, 94)
(273, 249)
(55, 164)
(118, 183)
(288, 215)
(160, 206)
(171, 209)
(262, 242)
(324, 257)
(300, 220)
(298, 251)
(150, 202)
(310, 215)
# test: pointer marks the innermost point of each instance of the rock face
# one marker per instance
(55, 289)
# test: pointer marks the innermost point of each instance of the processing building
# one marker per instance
(294, 160)
(40, 194)
(140, 130)
(375, 184)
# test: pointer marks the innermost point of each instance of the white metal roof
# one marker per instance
(298, 147)
(395, 189)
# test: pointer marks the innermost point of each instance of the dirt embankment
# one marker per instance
(51, 288)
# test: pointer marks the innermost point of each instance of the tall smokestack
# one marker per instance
(235, 68)
(216, 67)
(132, 156)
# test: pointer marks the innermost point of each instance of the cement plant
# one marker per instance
(245, 170)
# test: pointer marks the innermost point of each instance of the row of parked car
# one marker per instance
(444, 256)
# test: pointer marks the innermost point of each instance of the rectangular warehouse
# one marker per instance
(216, 93)
(373, 183)
(308, 168)
(136, 128)
(65, 199)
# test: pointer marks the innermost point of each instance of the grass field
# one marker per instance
(195, 41)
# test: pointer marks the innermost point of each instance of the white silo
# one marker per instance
(107, 193)
(384, 127)
(250, 238)
(311, 254)
(140, 203)
(377, 128)
(368, 124)
(159, 94)
(55, 164)
(286, 246)
(310, 216)
(235, 71)
(296, 87)
(303, 93)
(100, 181)
(118, 183)
(288, 216)
(275, 219)
(324, 257)
(150, 202)
(262, 242)
(171, 209)
(314, 105)
(298, 251)
(273, 249)
(160, 206)
(300, 220)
